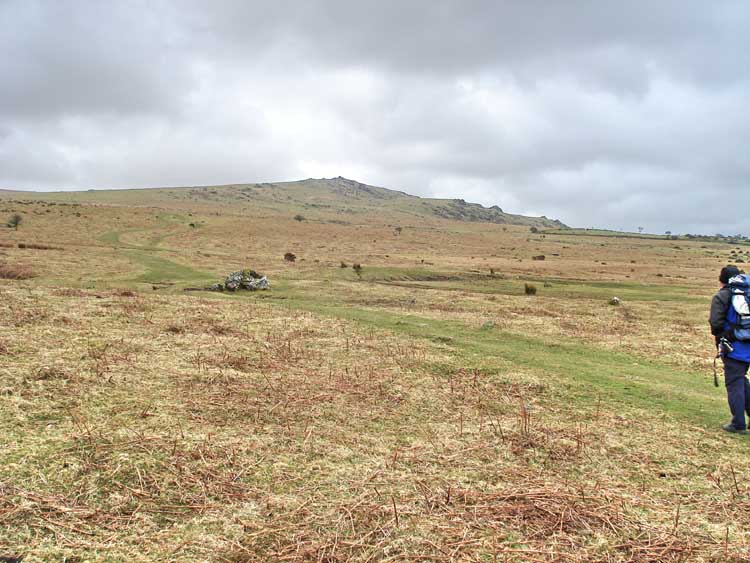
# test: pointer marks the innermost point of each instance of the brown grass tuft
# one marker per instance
(15, 272)
(51, 372)
(69, 292)
(34, 246)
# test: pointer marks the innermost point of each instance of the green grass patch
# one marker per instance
(423, 278)
(160, 269)
(617, 379)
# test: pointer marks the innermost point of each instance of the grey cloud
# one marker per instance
(599, 113)
(68, 58)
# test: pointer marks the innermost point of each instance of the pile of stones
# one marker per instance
(248, 280)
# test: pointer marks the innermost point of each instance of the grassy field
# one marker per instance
(427, 410)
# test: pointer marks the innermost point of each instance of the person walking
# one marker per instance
(735, 353)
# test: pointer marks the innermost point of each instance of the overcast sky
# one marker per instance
(617, 114)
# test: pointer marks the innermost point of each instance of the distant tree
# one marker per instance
(534, 230)
(14, 221)
(290, 257)
(668, 234)
(299, 218)
(640, 230)
(398, 230)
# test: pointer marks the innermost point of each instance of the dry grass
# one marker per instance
(293, 437)
(143, 425)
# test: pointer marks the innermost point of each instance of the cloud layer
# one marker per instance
(613, 114)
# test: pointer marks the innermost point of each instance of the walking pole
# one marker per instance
(716, 377)
(724, 345)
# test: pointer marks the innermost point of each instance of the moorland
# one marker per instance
(469, 394)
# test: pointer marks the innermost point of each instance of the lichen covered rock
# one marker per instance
(249, 280)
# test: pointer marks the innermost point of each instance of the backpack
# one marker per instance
(738, 314)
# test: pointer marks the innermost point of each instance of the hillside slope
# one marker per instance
(338, 199)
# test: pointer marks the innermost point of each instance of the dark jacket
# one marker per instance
(718, 316)
(721, 327)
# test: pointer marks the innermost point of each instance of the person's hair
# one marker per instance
(728, 272)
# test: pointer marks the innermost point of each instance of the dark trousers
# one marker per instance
(738, 390)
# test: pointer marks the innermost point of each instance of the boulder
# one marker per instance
(249, 280)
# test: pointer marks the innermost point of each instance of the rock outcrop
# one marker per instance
(243, 280)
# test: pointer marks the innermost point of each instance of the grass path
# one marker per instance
(618, 379)
(157, 268)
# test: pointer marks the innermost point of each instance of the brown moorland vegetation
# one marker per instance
(424, 410)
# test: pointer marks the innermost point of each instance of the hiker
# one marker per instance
(729, 325)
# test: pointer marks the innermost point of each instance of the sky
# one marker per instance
(598, 113)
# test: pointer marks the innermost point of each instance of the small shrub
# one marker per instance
(299, 218)
(290, 257)
(344, 265)
(534, 230)
(539, 257)
(14, 220)
(529, 289)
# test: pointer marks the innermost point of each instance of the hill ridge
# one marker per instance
(319, 197)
